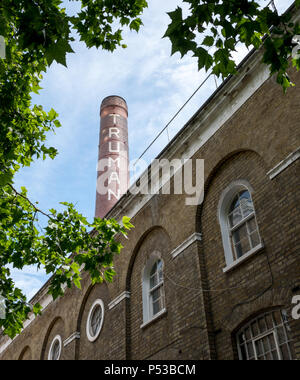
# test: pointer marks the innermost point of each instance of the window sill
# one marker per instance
(236, 263)
(153, 319)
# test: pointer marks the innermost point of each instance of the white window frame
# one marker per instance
(273, 331)
(225, 202)
(97, 303)
(147, 290)
(59, 340)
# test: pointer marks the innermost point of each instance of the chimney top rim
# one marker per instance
(113, 96)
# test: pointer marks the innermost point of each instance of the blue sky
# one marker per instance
(154, 85)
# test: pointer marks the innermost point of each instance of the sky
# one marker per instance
(154, 85)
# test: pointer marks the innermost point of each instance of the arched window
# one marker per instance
(156, 291)
(55, 348)
(240, 234)
(243, 228)
(266, 337)
(153, 289)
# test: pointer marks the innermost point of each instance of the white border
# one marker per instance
(57, 338)
(156, 316)
(243, 258)
(118, 299)
(152, 259)
(222, 215)
(93, 338)
(75, 335)
(284, 164)
(189, 241)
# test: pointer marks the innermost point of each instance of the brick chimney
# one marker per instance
(113, 159)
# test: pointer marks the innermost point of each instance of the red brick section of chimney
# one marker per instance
(113, 160)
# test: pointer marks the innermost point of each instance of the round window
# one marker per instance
(55, 348)
(95, 320)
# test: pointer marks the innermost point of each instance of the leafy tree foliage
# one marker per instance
(213, 28)
(38, 32)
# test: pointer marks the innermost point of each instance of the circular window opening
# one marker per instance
(95, 320)
(55, 349)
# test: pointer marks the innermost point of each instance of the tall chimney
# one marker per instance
(113, 160)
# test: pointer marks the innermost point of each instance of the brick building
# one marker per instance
(210, 281)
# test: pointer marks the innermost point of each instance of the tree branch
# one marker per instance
(37, 210)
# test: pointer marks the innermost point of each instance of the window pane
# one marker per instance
(153, 276)
(245, 245)
(153, 281)
(153, 270)
(281, 335)
(242, 338)
(252, 226)
(235, 217)
(285, 352)
(239, 251)
(262, 325)
(156, 307)
(96, 319)
(241, 241)
(155, 294)
(250, 350)
(266, 345)
(240, 234)
(243, 353)
(55, 351)
(275, 355)
(235, 204)
(255, 239)
(157, 300)
(277, 318)
(246, 203)
(156, 274)
(160, 271)
(254, 328)
(248, 334)
(269, 356)
(269, 321)
(272, 341)
(259, 348)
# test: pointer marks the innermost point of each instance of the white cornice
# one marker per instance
(75, 335)
(119, 299)
(182, 247)
(284, 164)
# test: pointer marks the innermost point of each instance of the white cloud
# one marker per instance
(29, 280)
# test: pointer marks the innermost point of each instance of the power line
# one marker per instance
(173, 118)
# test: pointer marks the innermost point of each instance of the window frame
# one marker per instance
(159, 285)
(93, 338)
(58, 339)
(244, 222)
(284, 324)
(147, 291)
(225, 202)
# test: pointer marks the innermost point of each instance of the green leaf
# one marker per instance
(208, 41)
(126, 223)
